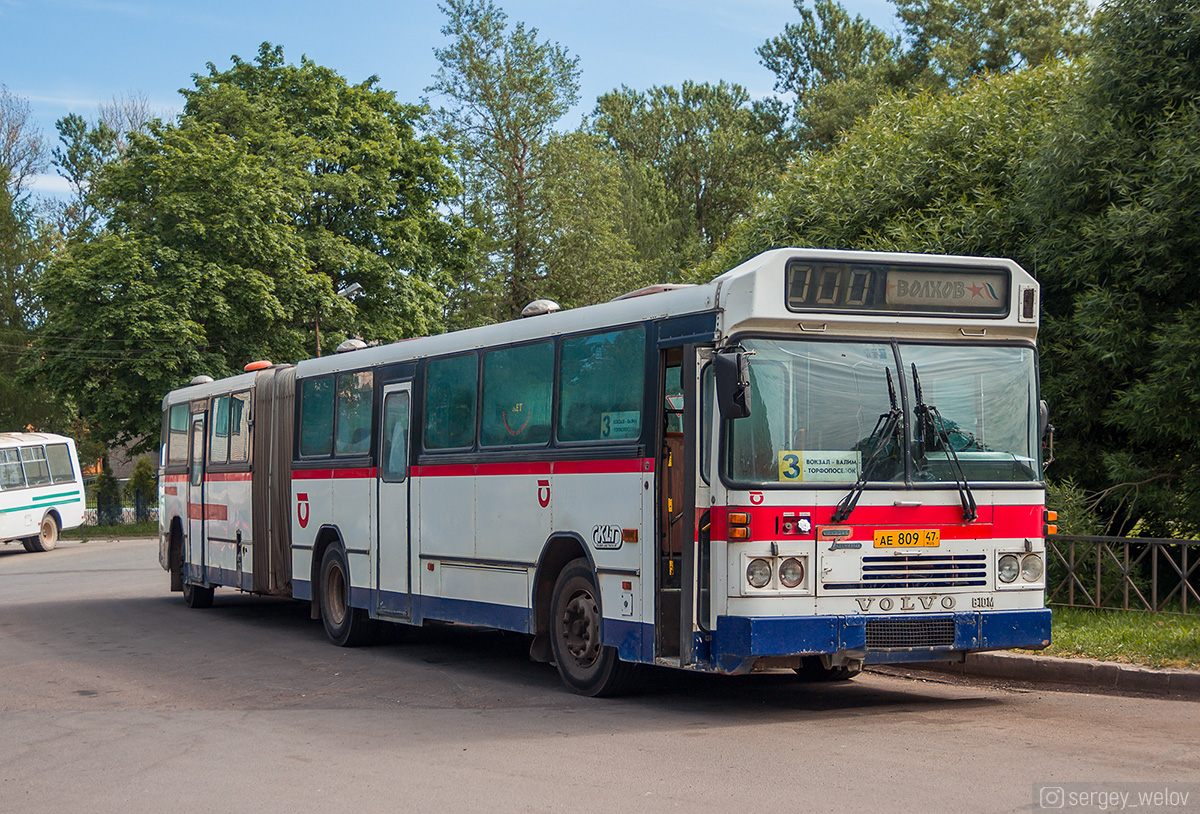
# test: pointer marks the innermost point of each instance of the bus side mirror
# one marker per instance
(1043, 419)
(732, 371)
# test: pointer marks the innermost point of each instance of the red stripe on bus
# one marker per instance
(332, 474)
(225, 477)
(994, 521)
(212, 511)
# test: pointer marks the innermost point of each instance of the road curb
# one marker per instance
(1109, 675)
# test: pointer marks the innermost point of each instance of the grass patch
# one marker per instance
(148, 528)
(1133, 637)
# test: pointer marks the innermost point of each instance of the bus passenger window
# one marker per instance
(177, 439)
(316, 417)
(218, 445)
(354, 394)
(34, 461)
(600, 387)
(450, 402)
(239, 427)
(516, 395)
(11, 475)
(59, 459)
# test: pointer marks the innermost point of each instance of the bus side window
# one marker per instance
(59, 459)
(450, 390)
(218, 446)
(600, 386)
(354, 397)
(239, 427)
(11, 475)
(316, 417)
(177, 435)
(34, 461)
(516, 395)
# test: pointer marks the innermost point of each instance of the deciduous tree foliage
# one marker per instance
(503, 90)
(226, 236)
(1118, 208)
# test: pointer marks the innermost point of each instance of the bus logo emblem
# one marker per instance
(543, 493)
(756, 498)
(302, 509)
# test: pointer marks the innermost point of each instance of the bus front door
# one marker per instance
(393, 551)
(194, 556)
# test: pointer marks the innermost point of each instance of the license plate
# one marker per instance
(907, 538)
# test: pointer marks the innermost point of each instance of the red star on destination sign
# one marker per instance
(976, 290)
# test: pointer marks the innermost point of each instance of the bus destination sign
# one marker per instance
(920, 289)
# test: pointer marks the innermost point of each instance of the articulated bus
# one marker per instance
(817, 461)
(41, 488)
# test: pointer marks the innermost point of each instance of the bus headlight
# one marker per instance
(791, 573)
(758, 573)
(1032, 568)
(1008, 568)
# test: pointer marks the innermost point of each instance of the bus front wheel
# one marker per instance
(585, 664)
(47, 536)
(197, 596)
(346, 626)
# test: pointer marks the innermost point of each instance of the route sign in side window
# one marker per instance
(177, 434)
(316, 417)
(517, 383)
(450, 389)
(354, 402)
(34, 461)
(59, 459)
(600, 386)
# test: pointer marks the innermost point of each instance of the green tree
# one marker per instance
(225, 237)
(1118, 210)
(504, 90)
(835, 68)
(709, 150)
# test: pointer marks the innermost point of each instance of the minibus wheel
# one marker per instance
(47, 536)
(584, 663)
(197, 596)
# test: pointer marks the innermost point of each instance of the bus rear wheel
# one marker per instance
(345, 626)
(47, 536)
(585, 664)
(197, 596)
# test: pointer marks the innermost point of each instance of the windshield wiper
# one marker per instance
(875, 446)
(931, 428)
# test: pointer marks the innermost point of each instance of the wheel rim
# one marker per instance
(579, 626)
(335, 592)
(49, 531)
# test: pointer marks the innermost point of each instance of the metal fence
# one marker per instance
(1123, 573)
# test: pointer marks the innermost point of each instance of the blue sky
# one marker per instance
(68, 56)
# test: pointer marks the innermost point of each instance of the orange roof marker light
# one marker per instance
(261, 364)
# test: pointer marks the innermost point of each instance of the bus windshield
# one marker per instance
(819, 414)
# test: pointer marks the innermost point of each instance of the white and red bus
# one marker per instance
(817, 461)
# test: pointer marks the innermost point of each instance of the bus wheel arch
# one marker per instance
(47, 537)
(559, 551)
(346, 625)
(326, 536)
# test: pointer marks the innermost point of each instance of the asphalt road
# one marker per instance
(115, 697)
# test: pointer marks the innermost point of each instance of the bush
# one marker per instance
(108, 497)
(142, 488)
